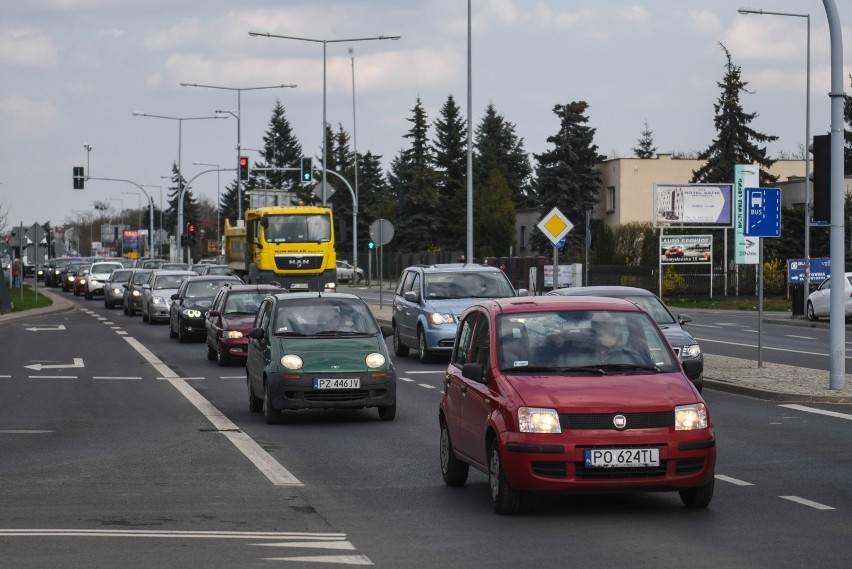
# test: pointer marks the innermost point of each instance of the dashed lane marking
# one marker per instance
(835, 414)
(809, 503)
(800, 337)
(736, 481)
(427, 386)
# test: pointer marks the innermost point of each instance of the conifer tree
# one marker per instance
(414, 181)
(450, 150)
(190, 206)
(645, 145)
(494, 220)
(736, 142)
(497, 147)
(281, 149)
(566, 175)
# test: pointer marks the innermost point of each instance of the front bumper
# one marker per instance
(295, 391)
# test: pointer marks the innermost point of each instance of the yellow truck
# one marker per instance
(292, 246)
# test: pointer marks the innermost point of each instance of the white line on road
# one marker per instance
(846, 416)
(341, 559)
(800, 337)
(427, 386)
(264, 462)
(113, 377)
(253, 535)
(694, 325)
(24, 432)
(429, 372)
(232, 377)
(736, 481)
(809, 503)
(409, 380)
(740, 344)
(5, 377)
(53, 377)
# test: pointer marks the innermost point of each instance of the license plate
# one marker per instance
(299, 286)
(337, 383)
(622, 457)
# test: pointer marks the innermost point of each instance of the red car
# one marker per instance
(79, 286)
(230, 320)
(572, 394)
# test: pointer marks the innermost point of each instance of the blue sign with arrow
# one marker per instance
(762, 212)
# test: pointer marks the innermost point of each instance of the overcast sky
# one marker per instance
(74, 71)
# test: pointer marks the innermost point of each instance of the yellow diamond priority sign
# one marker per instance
(555, 225)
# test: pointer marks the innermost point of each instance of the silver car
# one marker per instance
(114, 287)
(157, 293)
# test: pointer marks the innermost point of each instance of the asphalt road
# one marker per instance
(148, 456)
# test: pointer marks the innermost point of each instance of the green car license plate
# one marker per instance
(336, 383)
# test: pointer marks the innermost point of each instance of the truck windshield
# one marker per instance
(298, 228)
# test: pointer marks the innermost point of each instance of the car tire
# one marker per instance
(398, 348)
(88, 295)
(425, 355)
(387, 412)
(255, 403)
(221, 358)
(453, 470)
(810, 310)
(144, 314)
(698, 498)
(172, 333)
(211, 352)
(270, 413)
(504, 498)
(183, 336)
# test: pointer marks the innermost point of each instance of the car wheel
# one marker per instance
(255, 403)
(172, 333)
(211, 352)
(387, 412)
(88, 295)
(504, 499)
(106, 303)
(183, 336)
(221, 358)
(144, 314)
(698, 498)
(453, 470)
(270, 413)
(811, 315)
(398, 348)
(425, 354)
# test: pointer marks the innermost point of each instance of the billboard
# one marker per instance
(686, 249)
(693, 205)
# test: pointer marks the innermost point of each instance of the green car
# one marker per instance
(318, 351)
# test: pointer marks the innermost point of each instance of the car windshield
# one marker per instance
(120, 276)
(582, 342)
(653, 306)
(204, 289)
(168, 281)
(105, 267)
(467, 284)
(140, 277)
(322, 316)
(244, 302)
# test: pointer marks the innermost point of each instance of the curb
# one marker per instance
(777, 396)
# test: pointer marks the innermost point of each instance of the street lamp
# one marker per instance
(120, 217)
(807, 286)
(324, 46)
(239, 91)
(180, 171)
(160, 246)
(218, 206)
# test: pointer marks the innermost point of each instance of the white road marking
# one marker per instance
(406, 379)
(253, 535)
(694, 325)
(121, 333)
(262, 460)
(113, 377)
(53, 377)
(24, 432)
(429, 372)
(740, 344)
(5, 377)
(836, 414)
(426, 385)
(799, 337)
(311, 544)
(809, 503)
(342, 559)
(736, 481)
(78, 362)
(232, 377)
(56, 327)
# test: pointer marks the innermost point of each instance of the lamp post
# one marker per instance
(355, 147)
(180, 171)
(807, 284)
(121, 218)
(239, 91)
(324, 49)
(160, 246)
(218, 206)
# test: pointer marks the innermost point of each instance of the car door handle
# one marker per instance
(463, 388)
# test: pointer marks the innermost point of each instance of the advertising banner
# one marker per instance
(686, 249)
(697, 205)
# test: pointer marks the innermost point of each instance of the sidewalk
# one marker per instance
(772, 382)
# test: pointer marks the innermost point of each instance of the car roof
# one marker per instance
(173, 272)
(255, 288)
(203, 278)
(602, 291)
(454, 268)
(556, 302)
(330, 295)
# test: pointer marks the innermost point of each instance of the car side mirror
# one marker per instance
(523, 292)
(473, 372)
(684, 318)
(146, 286)
(387, 331)
(175, 296)
(412, 296)
(257, 334)
(214, 313)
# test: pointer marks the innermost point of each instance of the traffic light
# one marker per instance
(244, 168)
(307, 169)
(371, 245)
(79, 178)
(190, 233)
(821, 149)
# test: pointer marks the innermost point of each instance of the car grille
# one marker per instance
(334, 396)
(688, 466)
(603, 421)
(550, 469)
(638, 473)
(298, 262)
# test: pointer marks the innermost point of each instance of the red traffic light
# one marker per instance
(192, 228)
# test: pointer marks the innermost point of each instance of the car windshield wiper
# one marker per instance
(339, 333)
(555, 369)
(629, 367)
(289, 333)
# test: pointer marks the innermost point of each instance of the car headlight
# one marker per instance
(136, 293)
(232, 334)
(158, 300)
(437, 318)
(375, 360)
(690, 351)
(538, 420)
(691, 417)
(116, 290)
(191, 313)
(291, 361)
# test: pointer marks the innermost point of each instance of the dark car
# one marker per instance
(210, 269)
(230, 319)
(67, 275)
(685, 346)
(318, 351)
(52, 277)
(114, 287)
(556, 394)
(429, 299)
(189, 305)
(132, 297)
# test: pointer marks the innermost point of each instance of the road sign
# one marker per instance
(381, 231)
(762, 212)
(555, 226)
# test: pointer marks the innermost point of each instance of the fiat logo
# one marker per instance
(620, 421)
